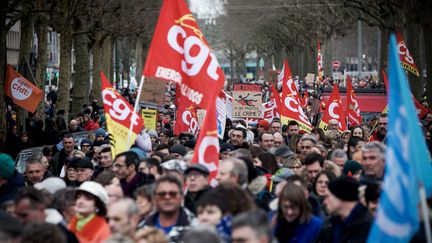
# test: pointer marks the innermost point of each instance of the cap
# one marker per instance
(227, 147)
(7, 166)
(351, 167)
(95, 189)
(84, 163)
(51, 184)
(282, 174)
(198, 167)
(345, 188)
(178, 149)
(174, 164)
(283, 151)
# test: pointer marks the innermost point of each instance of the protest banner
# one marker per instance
(153, 92)
(150, 117)
(247, 100)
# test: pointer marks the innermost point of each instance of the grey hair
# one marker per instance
(239, 169)
(377, 146)
(310, 138)
(338, 153)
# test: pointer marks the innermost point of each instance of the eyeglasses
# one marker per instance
(85, 146)
(171, 194)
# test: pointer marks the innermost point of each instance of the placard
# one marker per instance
(153, 91)
(247, 100)
(149, 116)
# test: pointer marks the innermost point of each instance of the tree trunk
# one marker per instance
(427, 32)
(41, 28)
(97, 67)
(3, 33)
(384, 52)
(65, 71)
(139, 58)
(82, 72)
(413, 44)
(327, 57)
(107, 58)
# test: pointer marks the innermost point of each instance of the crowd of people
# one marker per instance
(275, 183)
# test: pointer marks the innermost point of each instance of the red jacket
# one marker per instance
(91, 125)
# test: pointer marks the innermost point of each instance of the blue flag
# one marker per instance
(407, 162)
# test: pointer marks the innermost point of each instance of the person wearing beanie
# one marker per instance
(350, 221)
(178, 151)
(86, 145)
(100, 134)
(10, 179)
(353, 169)
(263, 126)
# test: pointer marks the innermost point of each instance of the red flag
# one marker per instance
(291, 108)
(186, 118)
(23, 92)
(180, 53)
(270, 109)
(407, 61)
(353, 110)
(119, 116)
(207, 146)
(277, 98)
(333, 111)
(320, 63)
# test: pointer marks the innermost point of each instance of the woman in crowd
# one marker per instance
(358, 131)
(144, 200)
(320, 185)
(295, 222)
(89, 224)
(294, 164)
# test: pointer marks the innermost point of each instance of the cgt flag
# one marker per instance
(207, 146)
(406, 60)
(290, 102)
(119, 115)
(334, 111)
(187, 120)
(407, 166)
(23, 92)
(180, 53)
(353, 110)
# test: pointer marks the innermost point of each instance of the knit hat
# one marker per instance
(351, 167)
(7, 166)
(264, 123)
(345, 188)
(139, 152)
(51, 184)
(283, 151)
(227, 147)
(86, 141)
(178, 149)
(100, 132)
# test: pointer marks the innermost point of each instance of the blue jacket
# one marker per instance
(303, 233)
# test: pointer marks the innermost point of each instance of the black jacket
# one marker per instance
(355, 228)
(13, 184)
(191, 198)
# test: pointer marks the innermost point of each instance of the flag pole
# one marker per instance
(137, 99)
(425, 213)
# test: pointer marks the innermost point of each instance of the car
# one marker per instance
(25, 154)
